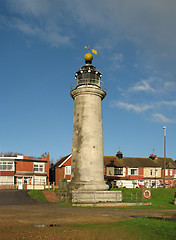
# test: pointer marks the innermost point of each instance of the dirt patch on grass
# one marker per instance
(58, 215)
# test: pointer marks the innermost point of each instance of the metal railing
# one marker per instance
(64, 196)
(88, 82)
(130, 197)
(133, 197)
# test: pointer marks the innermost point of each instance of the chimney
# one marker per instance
(119, 155)
(152, 156)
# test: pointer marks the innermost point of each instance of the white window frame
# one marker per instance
(118, 171)
(136, 169)
(40, 180)
(171, 172)
(67, 170)
(166, 172)
(5, 165)
(6, 180)
(39, 167)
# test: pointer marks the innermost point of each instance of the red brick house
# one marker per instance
(63, 169)
(170, 171)
(140, 172)
(24, 171)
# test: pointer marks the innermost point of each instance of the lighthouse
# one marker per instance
(87, 143)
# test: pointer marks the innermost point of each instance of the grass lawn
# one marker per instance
(137, 229)
(37, 194)
(161, 198)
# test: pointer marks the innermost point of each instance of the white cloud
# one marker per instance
(154, 84)
(117, 61)
(143, 85)
(128, 106)
(24, 27)
(41, 28)
(118, 57)
(26, 7)
(148, 23)
(42, 19)
(170, 86)
(169, 103)
(158, 117)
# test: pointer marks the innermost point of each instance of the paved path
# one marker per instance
(16, 208)
(16, 197)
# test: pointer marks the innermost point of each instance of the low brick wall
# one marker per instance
(8, 186)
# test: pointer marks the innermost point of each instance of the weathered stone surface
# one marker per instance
(96, 196)
(87, 145)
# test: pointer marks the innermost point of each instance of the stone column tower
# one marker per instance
(87, 145)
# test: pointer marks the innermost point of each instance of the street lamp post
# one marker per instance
(164, 156)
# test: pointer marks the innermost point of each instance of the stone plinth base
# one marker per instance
(94, 197)
(88, 186)
(108, 204)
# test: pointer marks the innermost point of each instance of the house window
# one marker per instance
(166, 172)
(134, 171)
(171, 172)
(40, 180)
(6, 166)
(118, 171)
(151, 172)
(27, 180)
(6, 180)
(156, 173)
(67, 170)
(39, 167)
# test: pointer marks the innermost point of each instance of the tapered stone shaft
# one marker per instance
(87, 146)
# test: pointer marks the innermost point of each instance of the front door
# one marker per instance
(20, 182)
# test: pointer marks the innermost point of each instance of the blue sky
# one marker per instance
(42, 46)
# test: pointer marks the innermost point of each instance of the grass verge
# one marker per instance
(161, 198)
(37, 194)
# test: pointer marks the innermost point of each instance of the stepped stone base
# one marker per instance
(94, 197)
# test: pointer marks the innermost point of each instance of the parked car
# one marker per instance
(141, 186)
(126, 184)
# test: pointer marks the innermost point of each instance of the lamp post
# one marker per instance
(164, 156)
